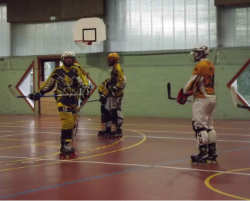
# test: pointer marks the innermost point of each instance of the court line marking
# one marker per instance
(159, 165)
(55, 133)
(98, 177)
(81, 157)
(207, 183)
(141, 165)
(95, 128)
(157, 125)
(101, 176)
(27, 145)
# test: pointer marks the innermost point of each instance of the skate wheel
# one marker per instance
(67, 156)
(72, 155)
(62, 156)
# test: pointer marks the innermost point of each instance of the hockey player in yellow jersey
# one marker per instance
(113, 95)
(201, 85)
(68, 79)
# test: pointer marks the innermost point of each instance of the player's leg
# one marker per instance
(200, 128)
(106, 110)
(103, 120)
(117, 116)
(212, 136)
(67, 123)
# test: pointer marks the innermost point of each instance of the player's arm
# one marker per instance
(121, 81)
(45, 88)
(103, 90)
(83, 84)
(194, 81)
(82, 73)
(49, 84)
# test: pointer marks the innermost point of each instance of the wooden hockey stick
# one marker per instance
(236, 100)
(169, 93)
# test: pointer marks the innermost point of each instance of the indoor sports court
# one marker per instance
(151, 161)
(124, 100)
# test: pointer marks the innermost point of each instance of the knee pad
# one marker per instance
(67, 120)
(201, 136)
(212, 136)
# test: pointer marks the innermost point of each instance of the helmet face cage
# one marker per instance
(69, 54)
(113, 58)
(202, 51)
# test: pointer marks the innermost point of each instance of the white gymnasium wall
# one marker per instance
(5, 32)
(139, 25)
(135, 25)
(235, 27)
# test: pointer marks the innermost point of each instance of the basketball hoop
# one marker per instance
(82, 44)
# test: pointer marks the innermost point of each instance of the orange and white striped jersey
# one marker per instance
(202, 80)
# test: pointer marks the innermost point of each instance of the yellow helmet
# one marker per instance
(113, 58)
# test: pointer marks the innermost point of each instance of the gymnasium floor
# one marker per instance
(151, 161)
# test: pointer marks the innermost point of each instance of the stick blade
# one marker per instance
(169, 90)
(12, 90)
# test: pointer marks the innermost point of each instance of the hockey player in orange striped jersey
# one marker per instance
(202, 84)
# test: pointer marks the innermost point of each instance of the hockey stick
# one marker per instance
(236, 100)
(58, 95)
(169, 93)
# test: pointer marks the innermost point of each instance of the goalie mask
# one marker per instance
(199, 51)
(113, 58)
(70, 58)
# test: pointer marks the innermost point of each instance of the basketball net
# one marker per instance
(82, 44)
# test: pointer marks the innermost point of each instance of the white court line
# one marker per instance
(82, 128)
(16, 134)
(151, 137)
(6, 131)
(137, 165)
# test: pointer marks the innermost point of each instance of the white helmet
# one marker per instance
(68, 54)
(202, 49)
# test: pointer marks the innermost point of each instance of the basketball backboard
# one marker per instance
(89, 31)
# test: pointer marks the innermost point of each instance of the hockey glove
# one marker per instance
(182, 98)
(103, 99)
(113, 90)
(85, 92)
(34, 96)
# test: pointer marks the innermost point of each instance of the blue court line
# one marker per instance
(63, 184)
(111, 174)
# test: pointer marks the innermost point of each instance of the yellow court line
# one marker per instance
(38, 144)
(101, 147)
(25, 145)
(144, 138)
(207, 183)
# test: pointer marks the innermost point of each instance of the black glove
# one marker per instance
(113, 90)
(86, 90)
(84, 97)
(103, 99)
(34, 96)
